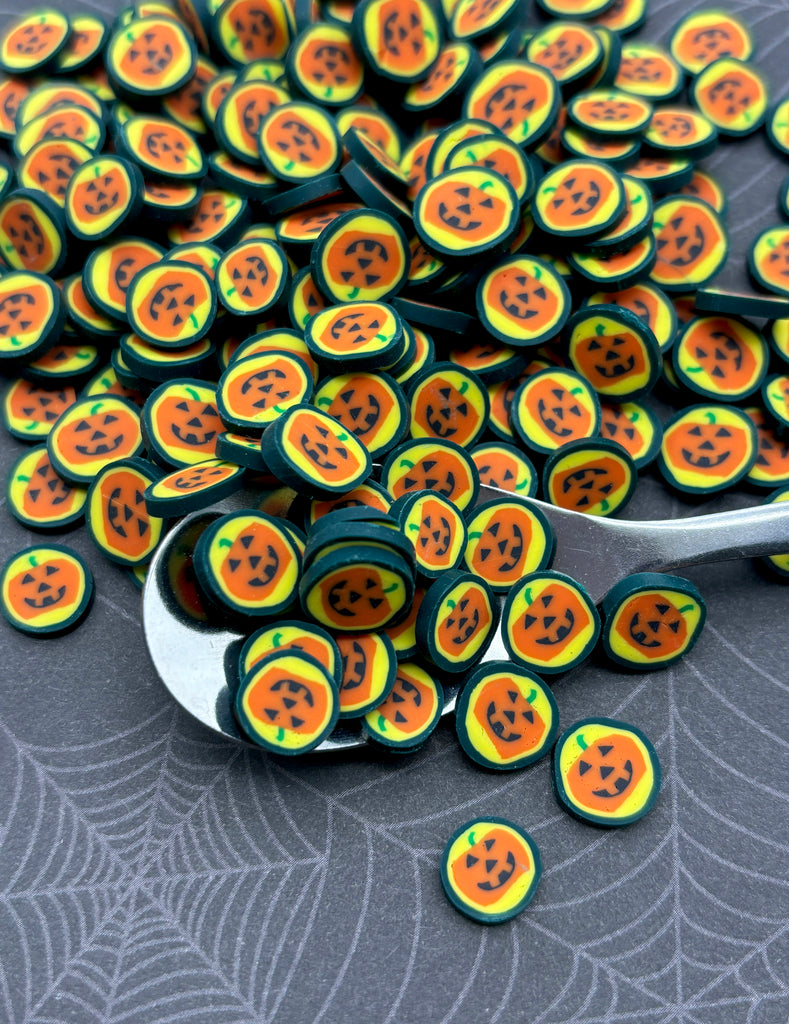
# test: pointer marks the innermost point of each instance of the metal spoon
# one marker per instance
(194, 657)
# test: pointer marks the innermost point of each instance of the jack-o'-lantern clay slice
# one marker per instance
(220, 218)
(771, 468)
(241, 449)
(704, 186)
(448, 402)
(40, 499)
(636, 222)
(368, 672)
(288, 703)
(649, 303)
(434, 465)
(463, 212)
(707, 448)
(662, 173)
(83, 315)
(63, 362)
(519, 98)
(613, 349)
(448, 138)
(549, 623)
(649, 71)
(357, 588)
(291, 635)
(32, 315)
(154, 364)
(594, 476)
(506, 717)
(248, 31)
(635, 427)
(569, 50)
(240, 114)
(458, 65)
(171, 304)
(506, 467)
(45, 590)
(161, 148)
(768, 260)
(323, 66)
(523, 301)
(407, 717)
(29, 411)
(371, 405)
(733, 95)
(366, 497)
(32, 232)
(775, 396)
(109, 270)
(471, 20)
(314, 453)
(651, 620)
(180, 422)
(608, 113)
(374, 123)
(50, 165)
(705, 36)
(362, 254)
(581, 9)
(436, 529)
(356, 336)
(55, 95)
(457, 621)
(489, 360)
(254, 391)
(252, 277)
(91, 433)
(507, 539)
(616, 153)
(247, 565)
(579, 199)
(305, 299)
(335, 533)
(193, 488)
(34, 41)
(490, 869)
(605, 772)
(721, 358)
(619, 270)
(85, 43)
(244, 180)
(681, 130)
(398, 39)
(692, 244)
(778, 127)
(68, 121)
(149, 57)
(777, 564)
(116, 517)
(552, 407)
(299, 141)
(499, 154)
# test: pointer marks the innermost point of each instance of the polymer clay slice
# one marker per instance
(433, 465)
(162, 148)
(407, 717)
(45, 590)
(32, 315)
(252, 277)
(499, 154)
(552, 407)
(63, 362)
(323, 65)
(91, 433)
(649, 71)
(241, 449)
(368, 672)
(29, 410)
(448, 402)
(181, 422)
(489, 360)
(506, 717)
(219, 218)
(150, 57)
(681, 130)
(507, 538)
(649, 303)
(193, 488)
(291, 635)
(613, 349)
(298, 141)
(374, 123)
(605, 772)
(778, 127)
(246, 31)
(692, 244)
(40, 499)
(240, 114)
(720, 357)
(33, 42)
(337, 533)
(448, 138)
(301, 228)
(775, 395)
(490, 869)
(83, 314)
(235, 176)
(457, 620)
(707, 448)
(201, 254)
(569, 50)
(360, 335)
(68, 121)
(371, 405)
(635, 427)
(609, 113)
(578, 199)
(506, 467)
(369, 495)
(733, 95)
(116, 517)
(357, 589)
(247, 563)
(32, 232)
(254, 391)
(651, 620)
(523, 301)
(549, 623)
(594, 476)
(287, 704)
(705, 36)
(50, 165)
(457, 66)
(154, 364)
(362, 254)
(768, 260)
(771, 467)
(314, 453)
(616, 153)
(618, 270)
(664, 173)
(704, 186)
(102, 195)
(109, 270)
(398, 39)
(85, 43)
(171, 304)
(636, 222)
(435, 528)
(518, 97)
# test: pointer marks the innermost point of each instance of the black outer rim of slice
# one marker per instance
(323, 188)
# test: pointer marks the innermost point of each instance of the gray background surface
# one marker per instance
(150, 872)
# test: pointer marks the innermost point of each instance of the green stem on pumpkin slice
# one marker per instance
(381, 723)
(353, 292)
(579, 739)
(532, 697)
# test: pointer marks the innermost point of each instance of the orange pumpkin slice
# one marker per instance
(92, 433)
(407, 717)
(45, 590)
(38, 497)
(116, 517)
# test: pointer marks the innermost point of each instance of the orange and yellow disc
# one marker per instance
(434, 465)
(466, 211)
(38, 497)
(116, 516)
(399, 39)
(34, 41)
(594, 476)
(150, 56)
(579, 199)
(692, 245)
(523, 301)
(299, 141)
(490, 869)
(45, 590)
(91, 433)
(518, 97)
(507, 538)
(721, 357)
(768, 260)
(707, 448)
(171, 304)
(705, 36)
(405, 719)
(194, 487)
(362, 254)
(733, 95)
(771, 468)
(369, 669)
(552, 407)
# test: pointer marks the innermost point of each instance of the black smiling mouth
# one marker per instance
(48, 601)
